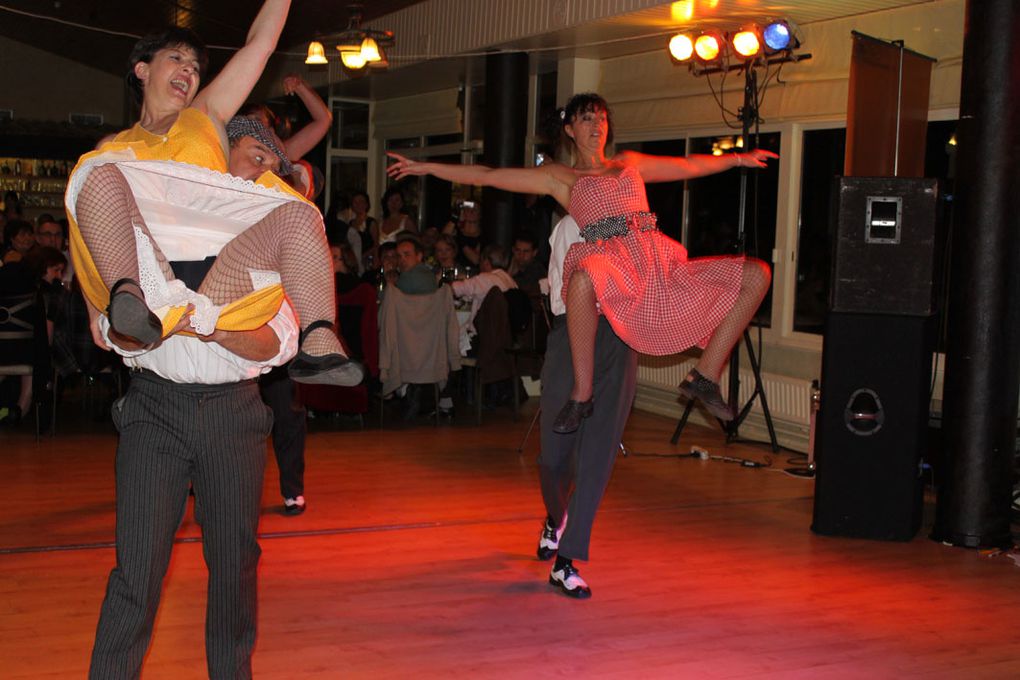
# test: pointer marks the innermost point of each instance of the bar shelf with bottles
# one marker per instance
(39, 182)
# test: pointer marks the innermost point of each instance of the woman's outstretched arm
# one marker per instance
(222, 97)
(672, 168)
(554, 180)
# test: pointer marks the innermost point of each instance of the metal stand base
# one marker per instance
(732, 428)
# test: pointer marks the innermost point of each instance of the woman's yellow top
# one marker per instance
(192, 139)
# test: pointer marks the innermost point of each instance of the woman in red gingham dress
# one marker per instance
(656, 299)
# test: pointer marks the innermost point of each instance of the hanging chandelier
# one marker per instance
(359, 48)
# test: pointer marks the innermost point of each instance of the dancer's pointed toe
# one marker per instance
(697, 386)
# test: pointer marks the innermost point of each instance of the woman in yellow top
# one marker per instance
(119, 250)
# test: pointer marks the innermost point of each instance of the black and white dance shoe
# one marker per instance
(130, 316)
(549, 541)
(569, 581)
(294, 506)
(697, 386)
(327, 369)
(570, 416)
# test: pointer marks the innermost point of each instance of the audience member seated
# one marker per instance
(415, 277)
(388, 262)
(345, 267)
(50, 233)
(494, 262)
(526, 269)
(363, 225)
(429, 237)
(448, 264)
(395, 220)
(469, 234)
(19, 238)
(48, 266)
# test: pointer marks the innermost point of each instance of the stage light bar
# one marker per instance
(737, 48)
(778, 36)
(708, 46)
(681, 47)
(746, 43)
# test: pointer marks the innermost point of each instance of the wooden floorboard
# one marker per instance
(416, 560)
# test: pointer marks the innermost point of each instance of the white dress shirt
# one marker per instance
(565, 234)
(185, 359)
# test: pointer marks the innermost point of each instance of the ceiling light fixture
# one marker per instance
(359, 47)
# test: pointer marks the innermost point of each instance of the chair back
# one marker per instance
(418, 337)
(357, 321)
(23, 343)
(492, 322)
(519, 312)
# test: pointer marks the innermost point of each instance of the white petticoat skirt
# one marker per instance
(191, 213)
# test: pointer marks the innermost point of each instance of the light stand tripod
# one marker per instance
(748, 115)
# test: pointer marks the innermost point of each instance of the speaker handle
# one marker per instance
(864, 414)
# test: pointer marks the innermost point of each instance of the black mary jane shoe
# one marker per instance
(697, 386)
(327, 369)
(570, 416)
(130, 316)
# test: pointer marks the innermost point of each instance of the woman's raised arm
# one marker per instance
(222, 97)
(305, 139)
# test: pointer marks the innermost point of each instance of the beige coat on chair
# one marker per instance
(418, 338)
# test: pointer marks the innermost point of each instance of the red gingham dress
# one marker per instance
(656, 299)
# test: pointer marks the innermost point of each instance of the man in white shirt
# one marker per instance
(575, 468)
(192, 418)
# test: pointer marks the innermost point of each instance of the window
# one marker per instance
(713, 208)
(821, 163)
(346, 159)
(350, 125)
(403, 143)
(665, 199)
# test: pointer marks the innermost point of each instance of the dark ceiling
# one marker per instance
(218, 22)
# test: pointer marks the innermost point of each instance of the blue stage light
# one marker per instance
(777, 36)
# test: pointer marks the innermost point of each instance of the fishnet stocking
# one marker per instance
(107, 215)
(582, 322)
(290, 240)
(754, 283)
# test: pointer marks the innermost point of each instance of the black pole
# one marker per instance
(506, 127)
(748, 115)
(983, 335)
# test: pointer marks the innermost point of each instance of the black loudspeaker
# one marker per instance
(884, 245)
(872, 425)
(876, 359)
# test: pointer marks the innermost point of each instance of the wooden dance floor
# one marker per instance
(416, 560)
